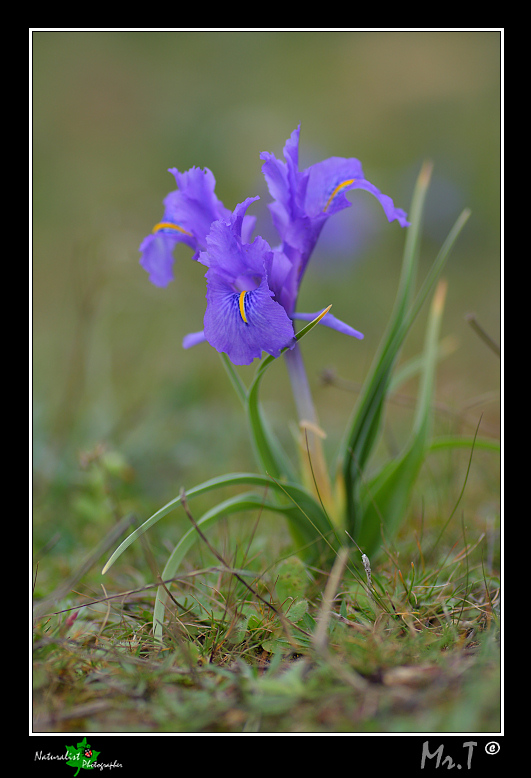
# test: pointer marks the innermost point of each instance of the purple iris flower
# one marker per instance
(302, 203)
(252, 288)
(242, 319)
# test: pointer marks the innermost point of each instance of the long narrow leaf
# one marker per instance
(364, 427)
(296, 492)
(385, 499)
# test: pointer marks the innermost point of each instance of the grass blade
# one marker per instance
(384, 500)
(363, 430)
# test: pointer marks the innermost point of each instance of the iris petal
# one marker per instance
(188, 213)
(193, 338)
(267, 326)
(157, 257)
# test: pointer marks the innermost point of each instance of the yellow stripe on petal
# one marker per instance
(242, 306)
(338, 189)
(170, 226)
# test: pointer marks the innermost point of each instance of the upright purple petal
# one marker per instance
(224, 246)
(194, 205)
(188, 213)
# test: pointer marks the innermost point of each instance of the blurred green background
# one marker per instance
(113, 110)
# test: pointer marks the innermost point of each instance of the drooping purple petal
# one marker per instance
(266, 327)
(194, 205)
(328, 182)
(157, 257)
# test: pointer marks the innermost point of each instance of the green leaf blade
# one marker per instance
(385, 499)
